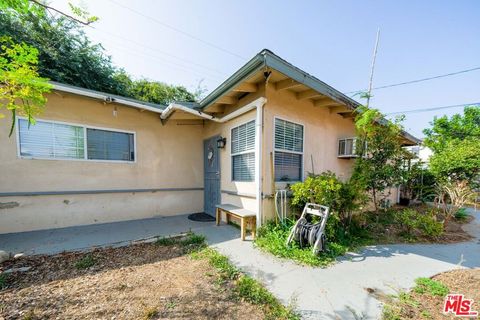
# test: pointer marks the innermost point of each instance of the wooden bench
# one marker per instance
(247, 218)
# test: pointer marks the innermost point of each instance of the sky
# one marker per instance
(201, 43)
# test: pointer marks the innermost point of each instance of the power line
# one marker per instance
(418, 80)
(159, 51)
(180, 31)
(434, 108)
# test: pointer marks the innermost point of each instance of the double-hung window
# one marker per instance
(288, 150)
(243, 152)
(53, 140)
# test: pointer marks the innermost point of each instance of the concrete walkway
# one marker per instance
(337, 292)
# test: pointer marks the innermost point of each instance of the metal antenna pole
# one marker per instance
(373, 68)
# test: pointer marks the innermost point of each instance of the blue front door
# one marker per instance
(211, 166)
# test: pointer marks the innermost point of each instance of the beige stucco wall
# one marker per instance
(322, 130)
(245, 196)
(169, 156)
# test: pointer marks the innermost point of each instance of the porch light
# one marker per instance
(221, 142)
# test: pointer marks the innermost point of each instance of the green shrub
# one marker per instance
(85, 262)
(430, 286)
(428, 225)
(461, 214)
(3, 280)
(323, 189)
(407, 219)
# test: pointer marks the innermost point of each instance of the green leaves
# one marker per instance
(21, 88)
(380, 153)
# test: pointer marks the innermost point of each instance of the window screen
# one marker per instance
(288, 151)
(110, 145)
(51, 140)
(243, 152)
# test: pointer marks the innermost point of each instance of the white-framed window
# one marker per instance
(243, 152)
(67, 141)
(288, 150)
(347, 147)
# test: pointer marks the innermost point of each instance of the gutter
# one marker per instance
(177, 107)
(103, 96)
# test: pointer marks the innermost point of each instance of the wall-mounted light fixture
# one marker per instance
(221, 142)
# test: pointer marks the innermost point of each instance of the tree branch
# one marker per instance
(85, 23)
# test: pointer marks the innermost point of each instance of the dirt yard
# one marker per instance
(143, 281)
(426, 306)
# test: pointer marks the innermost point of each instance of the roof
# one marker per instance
(107, 97)
(267, 59)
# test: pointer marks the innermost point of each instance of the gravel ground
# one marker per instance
(143, 281)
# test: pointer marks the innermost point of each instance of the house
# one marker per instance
(93, 157)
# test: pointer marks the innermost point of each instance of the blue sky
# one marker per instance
(332, 40)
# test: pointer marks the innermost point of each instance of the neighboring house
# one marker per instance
(93, 157)
(421, 153)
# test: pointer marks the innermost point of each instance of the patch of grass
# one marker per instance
(272, 238)
(461, 214)
(431, 287)
(3, 281)
(85, 262)
(246, 287)
(150, 313)
(191, 241)
(166, 241)
(391, 312)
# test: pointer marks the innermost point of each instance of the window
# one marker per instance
(52, 140)
(110, 145)
(243, 152)
(288, 151)
(347, 148)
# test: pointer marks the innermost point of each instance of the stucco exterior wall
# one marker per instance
(322, 130)
(169, 156)
(238, 193)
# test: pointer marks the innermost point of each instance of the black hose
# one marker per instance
(306, 233)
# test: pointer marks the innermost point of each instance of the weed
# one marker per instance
(272, 238)
(150, 313)
(30, 315)
(425, 314)
(246, 287)
(85, 262)
(406, 299)
(166, 241)
(191, 241)
(170, 305)
(461, 214)
(432, 287)
(3, 280)
(391, 313)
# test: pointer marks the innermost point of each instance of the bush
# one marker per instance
(412, 220)
(432, 287)
(85, 262)
(461, 214)
(428, 225)
(343, 198)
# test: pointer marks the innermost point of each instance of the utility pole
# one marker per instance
(373, 68)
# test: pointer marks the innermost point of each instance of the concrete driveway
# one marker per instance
(337, 292)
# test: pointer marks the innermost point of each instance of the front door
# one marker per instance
(211, 165)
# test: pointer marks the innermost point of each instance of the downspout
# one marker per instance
(258, 159)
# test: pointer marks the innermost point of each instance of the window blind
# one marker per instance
(288, 151)
(243, 152)
(109, 145)
(51, 140)
(288, 136)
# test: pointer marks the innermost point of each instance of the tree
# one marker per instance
(380, 155)
(457, 128)
(455, 161)
(21, 88)
(66, 54)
